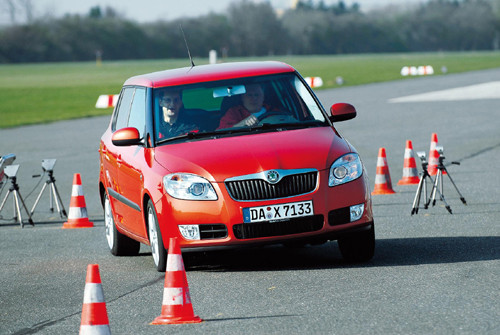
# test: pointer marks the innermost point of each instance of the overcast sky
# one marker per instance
(152, 10)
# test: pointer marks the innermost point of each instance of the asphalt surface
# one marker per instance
(433, 272)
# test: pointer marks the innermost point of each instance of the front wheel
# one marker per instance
(359, 247)
(119, 244)
(155, 239)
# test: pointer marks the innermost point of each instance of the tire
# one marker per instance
(155, 239)
(359, 247)
(119, 244)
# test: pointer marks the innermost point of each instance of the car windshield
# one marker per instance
(237, 106)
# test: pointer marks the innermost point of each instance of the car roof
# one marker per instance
(204, 73)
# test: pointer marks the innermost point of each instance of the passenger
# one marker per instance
(173, 121)
(247, 113)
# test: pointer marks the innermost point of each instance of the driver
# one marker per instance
(174, 121)
(247, 113)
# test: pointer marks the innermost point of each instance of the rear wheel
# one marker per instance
(359, 247)
(119, 244)
(155, 239)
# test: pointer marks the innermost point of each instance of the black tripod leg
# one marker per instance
(38, 198)
(416, 200)
(426, 175)
(456, 188)
(61, 209)
(4, 200)
(18, 195)
(18, 209)
(432, 195)
(441, 196)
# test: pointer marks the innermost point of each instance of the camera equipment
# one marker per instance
(438, 183)
(11, 172)
(4, 161)
(421, 155)
(422, 185)
(48, 167)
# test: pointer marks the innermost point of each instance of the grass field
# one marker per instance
(38, 93)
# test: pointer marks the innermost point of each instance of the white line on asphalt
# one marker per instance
(490, 90)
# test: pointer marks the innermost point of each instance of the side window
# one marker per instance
(308, 100)
(137, 118)
(123, 111)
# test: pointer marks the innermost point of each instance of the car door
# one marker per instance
(131, 166)
(112, 154)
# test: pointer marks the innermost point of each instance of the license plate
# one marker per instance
(278, 212)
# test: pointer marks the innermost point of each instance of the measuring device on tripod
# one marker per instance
(48, 167)
(437, 184)
(11, 174)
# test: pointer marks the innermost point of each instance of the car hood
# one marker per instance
(219, 159)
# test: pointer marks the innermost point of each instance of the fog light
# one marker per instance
(190, 232)
(357, 212)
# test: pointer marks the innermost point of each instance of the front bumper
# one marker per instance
(221, 222)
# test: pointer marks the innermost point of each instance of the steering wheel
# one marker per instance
(275, 116)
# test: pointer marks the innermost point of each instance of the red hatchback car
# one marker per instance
(230, 154)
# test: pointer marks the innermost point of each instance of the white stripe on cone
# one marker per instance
(76, 190)
(93, 293)
(380, 179)
(381, 161)
(314, 81)
(95, 330)
(410, 172)
(77, 213)
(106, 101)
(175, 263)
(176, 296)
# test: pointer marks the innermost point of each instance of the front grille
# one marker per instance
(278, 228)
(258, 189)
(339, 216)
(212, 231)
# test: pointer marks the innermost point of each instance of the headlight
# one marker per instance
(188, 186)
(345, 169)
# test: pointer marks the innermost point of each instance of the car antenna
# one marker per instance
(187, 47)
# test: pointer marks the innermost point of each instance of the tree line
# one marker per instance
(255, 29)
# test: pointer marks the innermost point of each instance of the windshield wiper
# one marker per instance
(175, 138)
(287, 125)
(194, 135)
(229, 131)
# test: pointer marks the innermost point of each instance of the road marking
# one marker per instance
(490, 90)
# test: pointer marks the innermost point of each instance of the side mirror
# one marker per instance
(342, 112)
(126, 137)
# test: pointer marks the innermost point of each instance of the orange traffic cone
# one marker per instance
(94, 313)
(176, 307)
(77, 217)
(433, 156)
(383, 183)
(410, 172)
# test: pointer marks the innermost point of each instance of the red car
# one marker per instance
(230, 154)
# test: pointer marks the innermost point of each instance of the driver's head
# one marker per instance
(253, 99)
(171, 103)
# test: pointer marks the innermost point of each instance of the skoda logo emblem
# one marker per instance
(273, 176)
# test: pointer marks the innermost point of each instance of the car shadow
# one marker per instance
(388, 252)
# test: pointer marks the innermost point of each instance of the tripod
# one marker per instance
(422, 185)
(10, 172)
(47, 166)
(438, 185)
